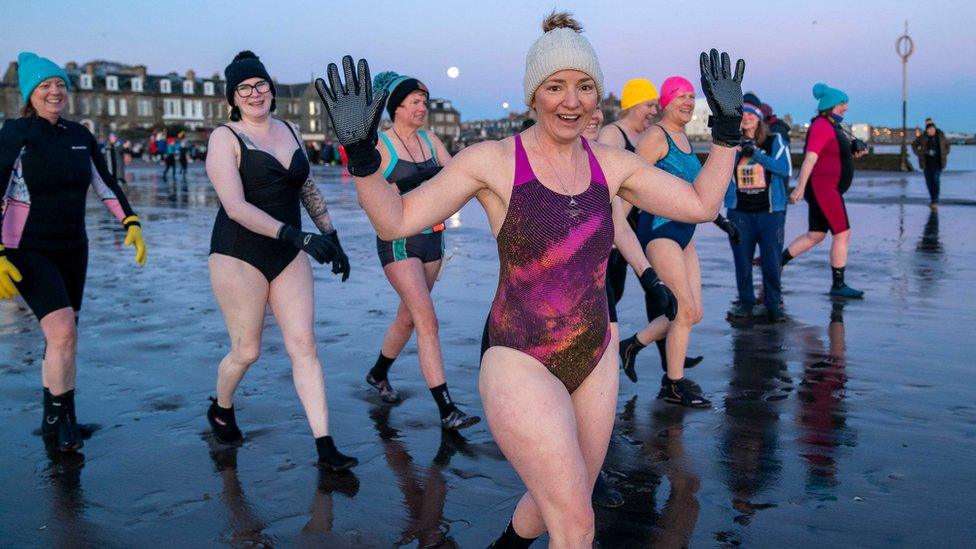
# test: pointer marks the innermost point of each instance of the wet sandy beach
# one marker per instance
(853, 424)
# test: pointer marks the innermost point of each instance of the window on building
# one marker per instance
(144, 107)
(188, 87)
(112, 83)
(165, 86)
(110, 102)
(172, 108)
(85, 82)
(98, 105)
(71, 104)
(123, 107)
(85, 106)
(313, 107)
(439, 117)
(208, 88)
(313, 125)
(137, 84)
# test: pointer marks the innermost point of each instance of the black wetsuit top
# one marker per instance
(45, 172)
(275, 190)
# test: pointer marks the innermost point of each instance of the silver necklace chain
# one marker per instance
(572, 198)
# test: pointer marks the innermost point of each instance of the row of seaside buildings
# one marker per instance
(126, 99)
(108, 96)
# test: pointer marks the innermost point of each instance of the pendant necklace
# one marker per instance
(573, 210)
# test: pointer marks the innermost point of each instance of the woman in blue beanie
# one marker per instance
(411, 156)
(826, 174)
(47, 164)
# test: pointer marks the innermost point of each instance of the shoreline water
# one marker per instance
(823, 432)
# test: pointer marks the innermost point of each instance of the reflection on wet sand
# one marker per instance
(930, 235)
(659, 442)
(423, 494)
(823, 412)
(68, 505)
(750, 447)
(245, 524)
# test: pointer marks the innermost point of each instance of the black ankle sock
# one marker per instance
(511, 540)
(380, 370)
(662, 349)
(331, 457)
(787, 256)
(443, 399)
(838, 275)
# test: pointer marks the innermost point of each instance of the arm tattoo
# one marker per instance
(315, 205)
(247, 140)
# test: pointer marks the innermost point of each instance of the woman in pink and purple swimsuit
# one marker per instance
(548, 371)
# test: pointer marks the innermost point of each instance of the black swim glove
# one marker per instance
(665, 299)
(411, 182)
(748, 147)
(729, 228)
(340, 263)
(724, 94)
(355, 114)
(319, 247)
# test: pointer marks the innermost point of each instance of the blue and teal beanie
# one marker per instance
(399, 87)
(32, 69)
(829, 97)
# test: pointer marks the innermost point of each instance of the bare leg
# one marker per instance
(805, 241)
(60, 351)
(838, 249)
(413, 281)
(242, 294)
(537, 424)
(292, 300)
(671, 264)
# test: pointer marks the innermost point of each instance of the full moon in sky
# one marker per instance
(453, 72)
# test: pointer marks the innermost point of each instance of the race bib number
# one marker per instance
(750, 177)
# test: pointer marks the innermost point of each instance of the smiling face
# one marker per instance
(644, 113)
(681, 108)
(49, 98)
(258, 103)
(413, 110)
(592, 129)
(564, 104)
(749, 123)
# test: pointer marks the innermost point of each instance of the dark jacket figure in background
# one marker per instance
(932, 149)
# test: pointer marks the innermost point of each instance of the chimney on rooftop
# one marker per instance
(191, 75)
(140, 70)
(90, 68)
(71, 66)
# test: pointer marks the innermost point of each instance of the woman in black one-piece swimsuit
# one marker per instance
(258, 167)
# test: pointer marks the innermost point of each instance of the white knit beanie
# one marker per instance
(561, 48)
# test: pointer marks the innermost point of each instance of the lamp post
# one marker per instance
(904, 46)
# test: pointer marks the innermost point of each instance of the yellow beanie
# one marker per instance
(637, 91)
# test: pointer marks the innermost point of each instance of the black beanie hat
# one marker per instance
(401, 91)
(751, 98)
(245, 65)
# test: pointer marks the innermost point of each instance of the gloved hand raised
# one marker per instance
(8, 275)
(665, 299)
(723, 91)
(355, 114)
(729, 228)
(340, 263)
(319, 247)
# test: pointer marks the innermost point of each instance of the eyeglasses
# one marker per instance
(246, 90)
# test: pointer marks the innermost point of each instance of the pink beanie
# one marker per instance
(673, 87)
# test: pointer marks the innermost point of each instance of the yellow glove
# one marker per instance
(8, 275)
(133, 237)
